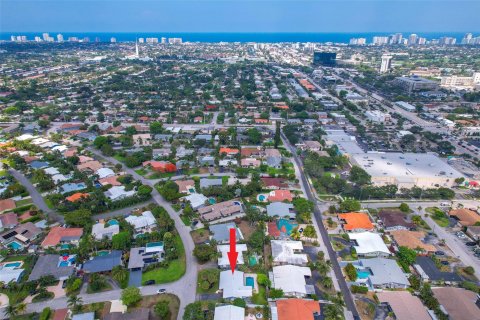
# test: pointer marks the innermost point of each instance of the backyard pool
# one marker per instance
(212, 201)
(15, 264)
(112, 222)
(286, 226)
(262, 197)
(249, 281)
(15, 245)
(363, 274)
(252, 261)
(103, 253)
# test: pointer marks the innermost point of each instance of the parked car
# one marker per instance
(445, 262)
(439, 253)
(149, 282)
(161, 291)
(470, 243)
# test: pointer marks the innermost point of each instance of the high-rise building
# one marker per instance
(412, 39)
(45, 36)
(152, 40)
(422, 41)
(447, 41)
(141, 40)
(72, 39)
(38, 39)
(164, 40)
(175, 40)
(358, 41)
(396, 38)
(467, 38)
(327, 59)
(59, 37)
(97, 39)
(379, 41)
(113, 39)
(386, 63)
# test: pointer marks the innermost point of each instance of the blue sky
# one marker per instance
(239, 15)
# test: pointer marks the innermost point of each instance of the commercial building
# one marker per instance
(415, 83)
(377, 116)
(386, 64)
(327, 59)
(407, 170)
(405, 106)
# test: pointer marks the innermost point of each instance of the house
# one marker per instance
(142, 140)
(473, 232)
(118, 193)
(248, 152)
(221, 210)
(355, 222)
(229, 312)
(288, 252)
(394, 220)
(412, 240)
(8, 220)
(61, 314)
(84, 316)
(250, 163)
(72, 187)
(6, 205)
(274, 183)
(60, 235)
(144, 223)
(38, 164)
(113, 181)
(281, 209)
(280, 195)
(104, 263)
(221, 232)
(20, 236)
(223, 261)
(465, 217)
(233, 285)
(207, 183)
(104, 173)
(227, 162)
(207, 161)
(8, 273)
(103, 230)
(61, 267)
(369, 244)
(274, 162)
(404, 305)
(312, 145)
(185, 186)
(141, 257)
(382, 273)
(460, 304)
(228, 151)
(197, 200)
(77, 197)
(298, 309)
(160, 166)
(137, 314)
(92, 166)
(291, 279)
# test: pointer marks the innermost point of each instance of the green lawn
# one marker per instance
(215, 273)
(23, 202)
(49, 203)
(174, 271)
(438, 216)
(260, 297)
(143, 172)
(119, 158)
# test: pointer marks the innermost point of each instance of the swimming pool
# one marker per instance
(112, 222)
(15, 245)
(363, 274)
(286, 226)
(249, 281)
(103, 253)
(64, 264)
(262, 197)
(15, 264)
(252, 261)
(212, 201)
(154, 244)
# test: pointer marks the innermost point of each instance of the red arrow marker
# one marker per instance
(233, 254)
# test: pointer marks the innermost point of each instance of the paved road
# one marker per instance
(185, 288)
(36, 196)
(350, 304)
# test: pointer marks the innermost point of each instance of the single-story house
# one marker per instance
(105, 173)
(223, 249)
(369, 244)
(281, 209)
(288, 252)
(404, 305)
(103, 263)
(221, 210)
(229, 312)
(55, 265)
(118, 193)
(207, 183)
(7, 204)
(465, 217)
(274, 183)
(233, 285)
(142, 223)
(197, 200)
(394, 220)
(460, 304)
(412, 240)
(429, 272)
(280, 195)
(60, 235)
(356, 222)
(185, 186)
(291, 279)
(103, 230)
(221, 232)
(383, 273)
(298, 309)
(160, 166)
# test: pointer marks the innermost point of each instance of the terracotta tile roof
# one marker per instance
(56, 235)
(280, 195)
(273, 229)
(412, 240)
(356, 221)
(274, 182)
(7, 204)
(297, 309)
(90, 165)
(466, 217)
(228, 150)
(184, 184)
(60, 314)
(162, 166)
(76, 197)
(110, 180)
(9, 219)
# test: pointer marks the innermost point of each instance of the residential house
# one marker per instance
(185, 186)
(312, 145)
(233, 285)
(248, 152)
(61, 267)
(102, 230)
(460, 304)
(207, 161)
(72, 187)
(118, 193)
(404, 305)
(197, 200)
(20, 236)
(413, 240)
(60, 235)
(90, 166)
(274, 183)
(141, 257)
(160, 166)
(382, 273)
(221, 232)
(228, 151)
(77, 197)
(8, 221)
(250, 163)
(394, 220)
(229, 312)
(6, 205)
(103, 263)
(207, 183)
(104, 173)
(355, 222)
(280, 195)
(465, 217)
(281, 209)
(10, 274)
(298, 309)
(288, 252)
(142, 140)
(221, 210)
(369, 244)
(113, 181)
(144, 223)
(429, 272)
(223, 261)
(291, 279)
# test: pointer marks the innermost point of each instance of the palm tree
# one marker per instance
(13, 310)
(74, 302)
(327, 282)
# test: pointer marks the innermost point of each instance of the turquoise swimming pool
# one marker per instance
(12, 264)
(363, 274)
(252, 261)
(112, 222)
(261, 197)
(286, 226)
(15, 245)
(249, 281)
(212, 201)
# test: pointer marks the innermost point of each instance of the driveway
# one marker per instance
(36, 196)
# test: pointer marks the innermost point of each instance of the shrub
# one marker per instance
(359, 289)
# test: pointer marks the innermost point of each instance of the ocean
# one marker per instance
(232, 37)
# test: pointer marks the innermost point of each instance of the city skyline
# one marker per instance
(239, 17)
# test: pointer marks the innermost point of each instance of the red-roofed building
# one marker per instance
(210, 107)
(298, 309)
(58, 235)
(160, 166)
(229, 151)
(8, 220)
(280, 195)
(273, 183)
(112, 180)
(272, 229)
(261, 121)
(77, 197)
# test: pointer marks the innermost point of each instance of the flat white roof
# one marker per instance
(405, 165)
(233, 285)
(229, 312)
(369, 242)
(285, 251)
(291, 279)
(224, 249)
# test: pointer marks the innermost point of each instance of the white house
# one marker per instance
(288, 252)
(291, 279)
(233, 285)
(105, 173)
(118, 193)
(229, 312)
(223, 261)
(101, 230)
(369, 244)
(142, 223)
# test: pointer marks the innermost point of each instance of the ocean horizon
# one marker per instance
(266, 37)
